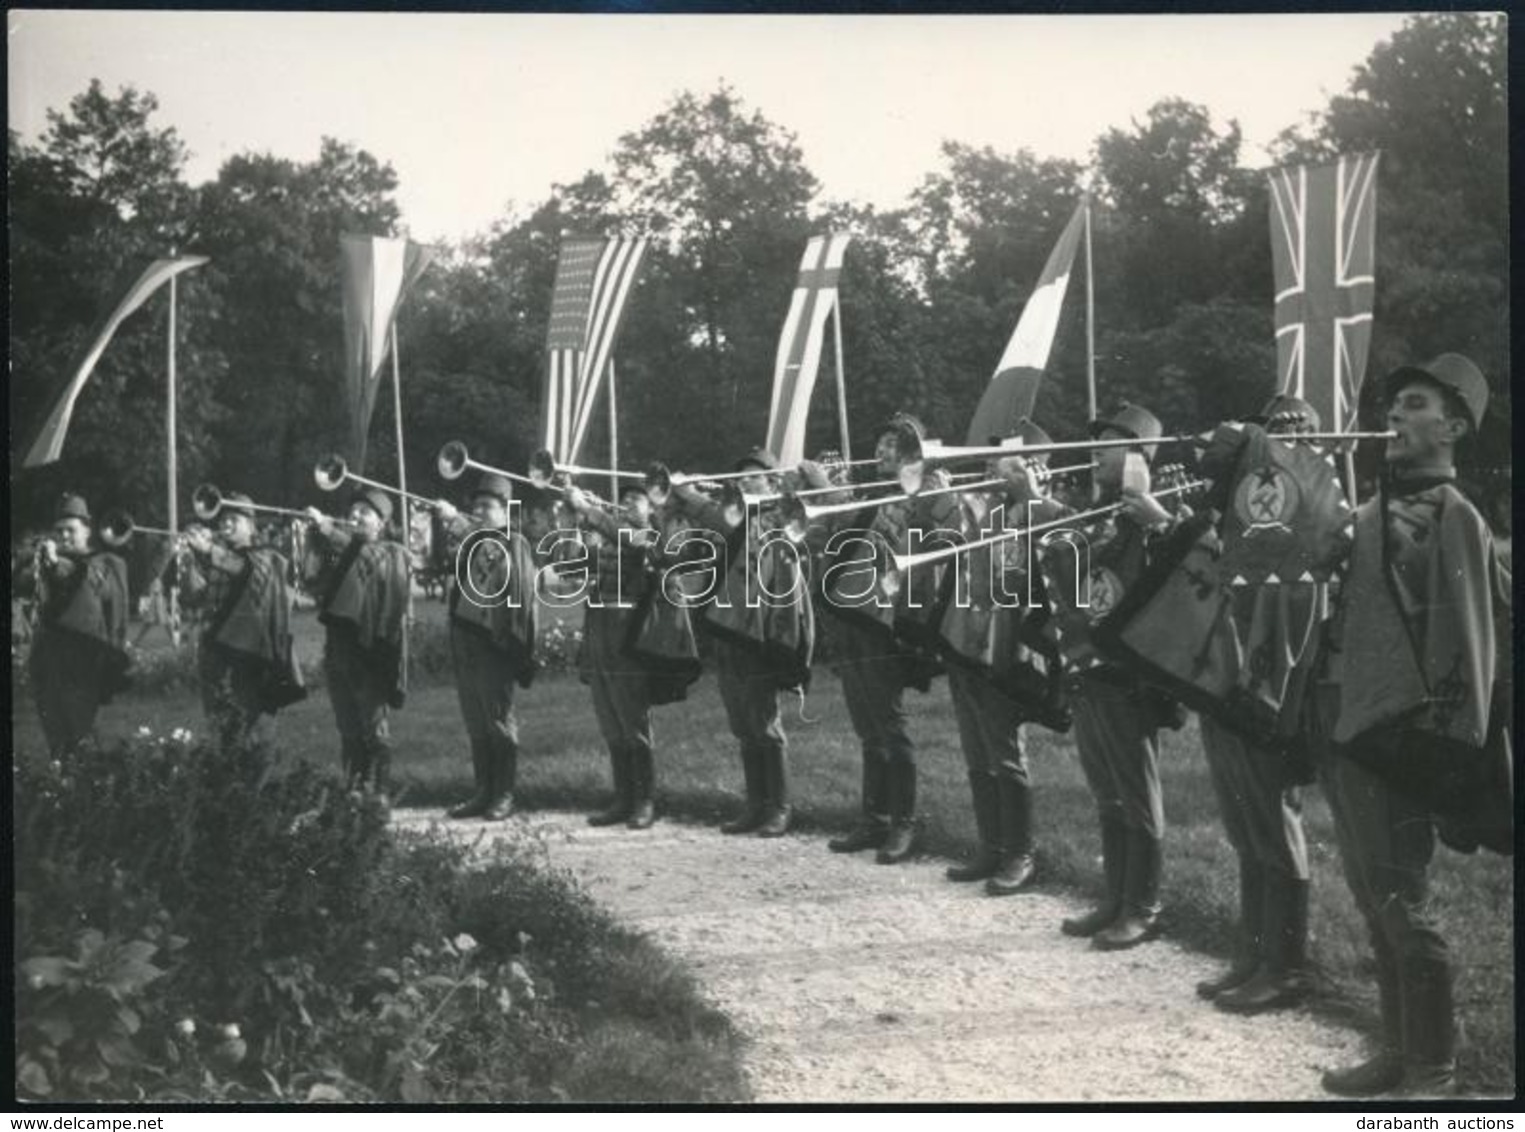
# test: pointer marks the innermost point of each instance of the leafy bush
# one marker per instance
(184, 934)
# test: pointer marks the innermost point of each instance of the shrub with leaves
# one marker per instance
(186, 934)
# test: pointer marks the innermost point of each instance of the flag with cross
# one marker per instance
(1323, 238)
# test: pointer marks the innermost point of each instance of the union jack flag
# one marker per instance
(593, 280)
(1323, 236)
(799, 345)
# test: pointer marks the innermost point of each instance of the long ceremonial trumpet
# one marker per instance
(207, 501)
(934, 451)
(543, 469)
(117, 527)
(330, 473)
(453, 460)
(900, 563)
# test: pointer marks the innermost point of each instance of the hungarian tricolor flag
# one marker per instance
(48, 441)
(799, 345)
(375, 272)
(1012, 391)
(1323, 237)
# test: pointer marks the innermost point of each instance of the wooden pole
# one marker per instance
(172, 598)
(1090, 319)
(402, 483)
(836, 327)
(614, 438)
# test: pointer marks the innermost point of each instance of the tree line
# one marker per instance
(931, 290)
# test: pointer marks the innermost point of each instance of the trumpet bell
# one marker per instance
(206, 501)
(116, 528)
(330, 472)
(452, 461)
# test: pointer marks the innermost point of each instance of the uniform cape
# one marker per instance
(507, 621)
(368, 595)
(89, 608)
(1425, 672)
(254, 623)
(780, 632)
(1002, 643)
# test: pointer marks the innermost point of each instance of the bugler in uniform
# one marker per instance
(78, 658)
(1424, 691)
(362, 589)
(245, 661)
(492, 640)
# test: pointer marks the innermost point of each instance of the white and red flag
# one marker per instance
(1013, 390)
(375, 273)
(1323, 240)
(593, 281)
(799, 346)
(47, 443)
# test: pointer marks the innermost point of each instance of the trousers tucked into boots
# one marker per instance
(873, 824)
(900, 791)
(984, 792)
(1016, 866)
(1138, 920)
(1281, 978)
(1246, 960)
(1113, 858)
(618, 809)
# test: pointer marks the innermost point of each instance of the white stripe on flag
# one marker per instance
(1033, 340)
(615, 276)
(799, 357)
(388, 265)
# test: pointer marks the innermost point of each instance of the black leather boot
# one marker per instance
(1383, 1072)
(900, 779)
(1251, 912)
(751, 815)
(1113, 860)
(643, 810)
(505, 773)
(1139, 920)
(1429, 1031)
(1283, 979)
(1016, 868)
(775, 783)
(987, 824)
(619, 807)
(873, 826)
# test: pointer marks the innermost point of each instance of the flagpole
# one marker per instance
(1090, 319)
(172, 599)
(402, 483)
(836, 329)
(614, 439)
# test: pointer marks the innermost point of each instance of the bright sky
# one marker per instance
(478, 111)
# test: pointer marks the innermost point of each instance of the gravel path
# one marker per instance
(863, 983)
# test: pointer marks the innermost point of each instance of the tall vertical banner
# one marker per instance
(375, 273)
(593, 281)
(799, 346)
(1323, 241)
(47, 443)
(1013, 390)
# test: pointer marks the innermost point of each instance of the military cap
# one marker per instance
(1449, 371)
(757, 458)
(1131, 420)
(377, 500)
(71, 506)
(498, 487)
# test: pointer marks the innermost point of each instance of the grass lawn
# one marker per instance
(699, 778)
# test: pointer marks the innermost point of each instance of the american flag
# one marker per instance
(1323, 236)
(593, 280)
(799, 346)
